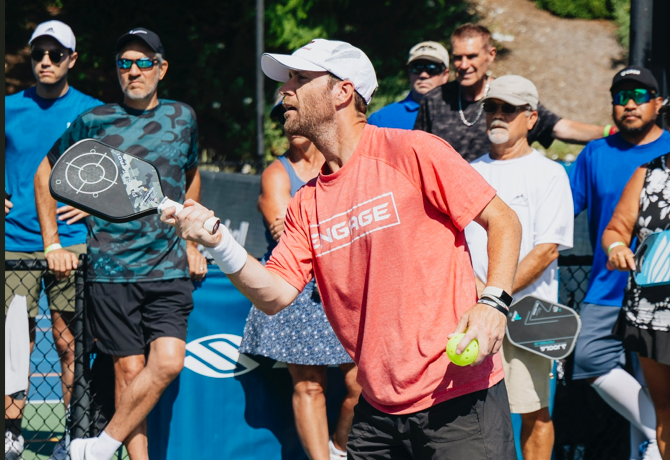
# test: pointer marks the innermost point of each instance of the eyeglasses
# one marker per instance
(55, 56)
(144, 63)
(639, 95)
(492, 107)
(431, 69)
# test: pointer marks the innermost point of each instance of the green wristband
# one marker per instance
(51, 247)
(614, 245)
(606, 131)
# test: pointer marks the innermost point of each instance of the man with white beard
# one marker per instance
(538, 190)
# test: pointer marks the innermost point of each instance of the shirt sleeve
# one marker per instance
(292, 258)
(554, 220)
(449, 182)
(579, 181)
(543, 131)
(192, 161)
(76, 132)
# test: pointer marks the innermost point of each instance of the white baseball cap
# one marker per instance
(343, 60)
(58, 30)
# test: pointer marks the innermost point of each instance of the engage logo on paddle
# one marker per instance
(344, 228)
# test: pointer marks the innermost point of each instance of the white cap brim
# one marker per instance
(276, 66)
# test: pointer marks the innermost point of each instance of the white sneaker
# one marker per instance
(80, 449)
(13, 446)
(335, 453)
(60, 451)
(649, 450)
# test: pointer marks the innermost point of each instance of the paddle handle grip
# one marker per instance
(211, 224)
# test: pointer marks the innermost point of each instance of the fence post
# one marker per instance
(81, 397)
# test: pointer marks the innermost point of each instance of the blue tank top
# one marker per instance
(296, 183)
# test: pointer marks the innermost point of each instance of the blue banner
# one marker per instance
(225, 405)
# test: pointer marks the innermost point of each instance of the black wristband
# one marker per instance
(496, 300)
(493, 305)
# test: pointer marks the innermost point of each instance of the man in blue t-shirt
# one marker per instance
(428, 67)
(34, 119)
(138, 291)
(597, 179)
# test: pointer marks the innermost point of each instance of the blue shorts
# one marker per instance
(597, 351)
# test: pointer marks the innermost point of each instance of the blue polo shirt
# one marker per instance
(400, 114)
(597, 179)
(32, 125)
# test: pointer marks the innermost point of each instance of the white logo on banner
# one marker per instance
(218, 356)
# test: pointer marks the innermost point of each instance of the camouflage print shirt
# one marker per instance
(145, 249)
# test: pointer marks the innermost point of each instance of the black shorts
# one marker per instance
(476, 426)
(126, 317)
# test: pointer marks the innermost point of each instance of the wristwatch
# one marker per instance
(499, 293)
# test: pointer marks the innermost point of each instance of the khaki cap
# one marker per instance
(430, 51)
(515, 90)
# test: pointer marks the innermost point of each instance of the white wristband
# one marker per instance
(229, 255)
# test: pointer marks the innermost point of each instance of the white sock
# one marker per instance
(335, 452)
(636, 439)
(625, 395)
(106, 447)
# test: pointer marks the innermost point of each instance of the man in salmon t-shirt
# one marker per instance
(381, 230)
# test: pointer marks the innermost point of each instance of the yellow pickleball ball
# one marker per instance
(469, 354)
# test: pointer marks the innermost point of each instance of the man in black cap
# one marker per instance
(597, 179)
(139, 295)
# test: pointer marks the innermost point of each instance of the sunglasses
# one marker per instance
(431, 69)
(640, 96)
(144, 63)
(55, 56)
(492, 107)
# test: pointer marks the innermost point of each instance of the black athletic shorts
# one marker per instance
(476, 426)
(126, 317)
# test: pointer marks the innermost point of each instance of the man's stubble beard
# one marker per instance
(312, 123)
(141, 95)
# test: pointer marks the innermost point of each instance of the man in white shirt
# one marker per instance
(538, 190)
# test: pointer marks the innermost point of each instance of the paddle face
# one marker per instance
(106, 182)
(545, 328)
(652, 260)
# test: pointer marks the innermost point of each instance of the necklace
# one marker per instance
(481, 107)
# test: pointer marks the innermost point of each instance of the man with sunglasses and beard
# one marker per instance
(34, 119)
(597, 180)
(428, 68)
(453, 111)
(138, 291)
(538, 190)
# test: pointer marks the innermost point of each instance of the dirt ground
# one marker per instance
(571, 61)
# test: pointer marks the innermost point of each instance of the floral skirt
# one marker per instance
(299, 334)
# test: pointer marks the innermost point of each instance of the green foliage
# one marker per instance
(585, 9)
(621, 12)
(210, 47)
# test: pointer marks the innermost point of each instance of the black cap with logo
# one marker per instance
(146, 36)
(635, 74)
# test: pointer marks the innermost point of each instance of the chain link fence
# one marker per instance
(586, 427)
(40, 417)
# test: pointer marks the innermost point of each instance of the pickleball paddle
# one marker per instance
(111, 184)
